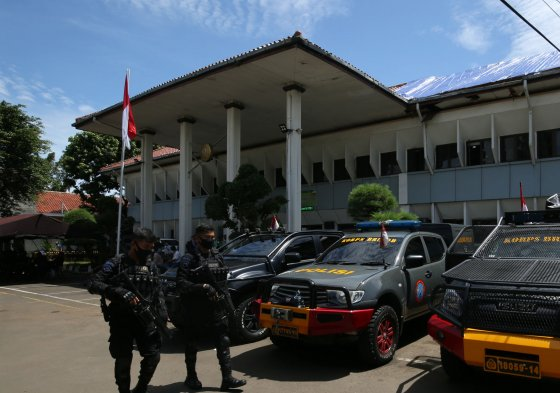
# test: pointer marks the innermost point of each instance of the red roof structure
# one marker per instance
(54, 202)
(157, 154)
(31, 225)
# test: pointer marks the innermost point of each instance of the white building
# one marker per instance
(453, 149)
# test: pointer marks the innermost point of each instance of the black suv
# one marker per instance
(252, 257)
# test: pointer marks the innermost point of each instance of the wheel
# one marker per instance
(454, 367)
(377, 344)
(246, 323)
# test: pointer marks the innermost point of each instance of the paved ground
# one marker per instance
(53, 339)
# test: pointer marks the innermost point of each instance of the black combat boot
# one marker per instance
(122, 374)
(192, 381)
(147, 369)
(222, 352)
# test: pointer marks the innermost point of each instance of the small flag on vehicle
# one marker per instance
(274, 225)
(523, 204)
(384, 238)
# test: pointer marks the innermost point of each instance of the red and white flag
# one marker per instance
(274, 225)
(523, 204)
(128, 126)
(384, 238)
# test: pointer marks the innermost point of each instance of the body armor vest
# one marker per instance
(144, 279)
(211, 271)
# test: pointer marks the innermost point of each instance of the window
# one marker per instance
(389, 165)
(318, 174)
(415, 160)
(446, 156)
(479, 152)
(548, 144)
(514, 148)
(279, 178)
(435, 247)
(305, 246)
(415, 247)
(326, 241)
(340, 172)
(363, 169)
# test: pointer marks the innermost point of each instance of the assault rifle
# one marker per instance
(222, 298)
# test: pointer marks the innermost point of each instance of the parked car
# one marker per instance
(359, 289)
(250, 258)
(465, 244)
(499, 311)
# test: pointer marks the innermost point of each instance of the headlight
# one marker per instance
(338, 297)
(452, 303)
(274, 289)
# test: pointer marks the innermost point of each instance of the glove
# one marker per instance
(127, 296)
(210, 292)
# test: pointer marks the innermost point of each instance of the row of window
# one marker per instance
(478, 152)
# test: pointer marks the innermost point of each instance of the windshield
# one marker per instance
(528, 241)
(470, 238)
(362, 251)
(256, 245)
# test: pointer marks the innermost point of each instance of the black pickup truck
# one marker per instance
(499, 311)
(253, 257)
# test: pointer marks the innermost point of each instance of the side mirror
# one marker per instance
(414, 260)
(292, 257)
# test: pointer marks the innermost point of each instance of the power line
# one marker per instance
(529, 23)
(552, 9)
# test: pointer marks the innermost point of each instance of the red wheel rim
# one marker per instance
(385, 336)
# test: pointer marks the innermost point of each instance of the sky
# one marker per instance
(64, 59)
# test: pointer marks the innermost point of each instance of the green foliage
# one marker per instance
(83, 158)
(401, 215)
(247, 196)
(367, 199)
(79, 214)
(23, 172)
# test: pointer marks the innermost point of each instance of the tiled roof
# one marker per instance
(157, 154)
(50, 202)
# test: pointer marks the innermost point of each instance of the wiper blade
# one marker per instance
(373, 263)
(331, 262)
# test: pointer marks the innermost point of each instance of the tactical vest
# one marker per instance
(211, 271)
(146, 280)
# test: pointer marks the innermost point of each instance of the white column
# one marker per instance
(233, 133)
(466, 214)
(185, 181)
(293, 156)
(147, 178)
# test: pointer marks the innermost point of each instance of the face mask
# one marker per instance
(143, 254)
(207, 243)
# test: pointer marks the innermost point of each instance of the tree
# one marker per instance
(247, 196)
(366, 199)
(81, 162)
(400, 215)
(23, 172)
(79, 214)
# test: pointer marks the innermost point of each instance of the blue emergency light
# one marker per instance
(395, 224)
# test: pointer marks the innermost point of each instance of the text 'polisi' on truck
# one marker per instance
(363, 288)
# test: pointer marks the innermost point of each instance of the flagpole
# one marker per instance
(121, 181)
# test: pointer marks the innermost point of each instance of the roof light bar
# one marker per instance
(396, 224)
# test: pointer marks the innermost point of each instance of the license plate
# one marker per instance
(512, 366)
(281, 313)
(285, 331)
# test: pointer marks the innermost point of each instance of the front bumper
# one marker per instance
(312, 322)
(504, 353)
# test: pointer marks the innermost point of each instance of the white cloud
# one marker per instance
(255, 17)
(474, 37)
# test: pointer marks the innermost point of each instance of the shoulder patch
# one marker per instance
(108, 266)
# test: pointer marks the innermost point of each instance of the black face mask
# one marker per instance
(143, 254)
(207, 243)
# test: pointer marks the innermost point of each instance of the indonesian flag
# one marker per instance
(128, 126)
(523, 204)
(274, 225)
(384, 238)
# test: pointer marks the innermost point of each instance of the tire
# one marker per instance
(377, 344)
(454, 367)
(246, 324)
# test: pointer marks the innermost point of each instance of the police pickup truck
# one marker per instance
(499, 311)
(363, 288)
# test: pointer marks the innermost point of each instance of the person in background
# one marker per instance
(206, 303)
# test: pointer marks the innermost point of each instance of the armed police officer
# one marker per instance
(136, 310)
(206, 304)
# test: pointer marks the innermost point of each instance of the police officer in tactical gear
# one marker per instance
(206, 303)
(137, 307)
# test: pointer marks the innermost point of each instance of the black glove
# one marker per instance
(126, 296)
(210, 291)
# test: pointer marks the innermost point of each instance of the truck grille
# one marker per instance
(289, 295)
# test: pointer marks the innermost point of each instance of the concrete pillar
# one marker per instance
(233, 133)
(293, 156)
(185, 181)
(147, 178)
